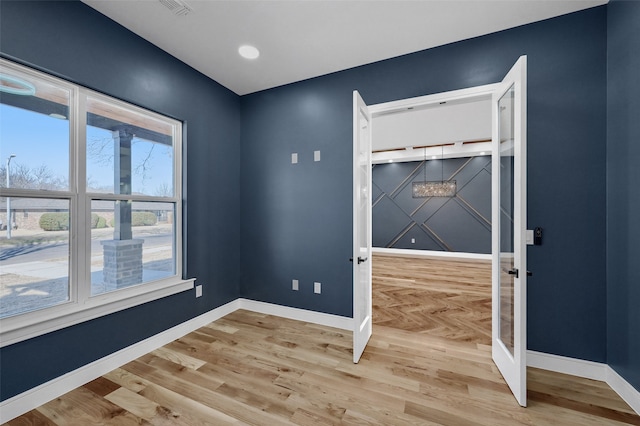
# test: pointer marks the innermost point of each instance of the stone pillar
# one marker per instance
(122, 263)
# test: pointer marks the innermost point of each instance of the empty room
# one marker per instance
(197, 199)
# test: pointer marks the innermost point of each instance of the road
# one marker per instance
(10, 255)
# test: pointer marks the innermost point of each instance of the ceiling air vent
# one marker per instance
(178, 7)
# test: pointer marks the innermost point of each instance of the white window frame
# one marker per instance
(81, 306)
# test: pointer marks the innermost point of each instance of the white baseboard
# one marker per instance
(566, 365)
(428, 253)
(329, 320)
(623, 388)
(589, 370)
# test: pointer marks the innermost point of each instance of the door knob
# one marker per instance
(361, 260)
(513, 271)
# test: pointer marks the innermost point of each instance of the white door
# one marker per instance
(361, 226)
(509, 210)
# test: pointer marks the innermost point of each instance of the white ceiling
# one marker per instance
(466, 121)
(300, 39)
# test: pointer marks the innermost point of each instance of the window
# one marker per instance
(90, 204)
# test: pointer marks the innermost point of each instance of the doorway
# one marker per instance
(442, 293)
(508, 248)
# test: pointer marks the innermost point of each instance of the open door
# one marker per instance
(509, 207)
(361, 226)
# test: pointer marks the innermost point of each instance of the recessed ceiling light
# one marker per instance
(391, 161)
(248, 52)
(433, 157)
(482, 153)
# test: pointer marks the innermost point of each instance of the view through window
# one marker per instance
(89, 202)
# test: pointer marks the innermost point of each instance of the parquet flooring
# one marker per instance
(442, 297)
(251, 368)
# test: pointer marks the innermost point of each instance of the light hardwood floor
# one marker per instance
(250, 368)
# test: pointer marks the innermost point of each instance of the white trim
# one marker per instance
(422, 101)
(17, 329)
(429, 253)
(329, 320)
(588, 370)
(628, 393)
(566, 365)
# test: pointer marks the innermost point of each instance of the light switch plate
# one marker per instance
(294, 285)
(198, 291)
(316, 155)
(294, 158)
(317, 287)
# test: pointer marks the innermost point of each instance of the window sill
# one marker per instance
(18, 328)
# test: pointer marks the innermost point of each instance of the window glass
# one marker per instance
(34, 254)
(131, 243)
(128, 152)
(34, 123)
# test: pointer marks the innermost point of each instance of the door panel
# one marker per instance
(362, 303)
(509, 340)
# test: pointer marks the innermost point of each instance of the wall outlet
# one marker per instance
(199, 291)
(294, 158)
(316, 155)
(413, 241)
(317, 287)
(294, 285)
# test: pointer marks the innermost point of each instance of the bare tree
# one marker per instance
(164, 190)
(39, 177)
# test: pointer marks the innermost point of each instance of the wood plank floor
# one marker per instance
(250, 368)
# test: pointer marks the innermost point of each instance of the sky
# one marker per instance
(38, 139)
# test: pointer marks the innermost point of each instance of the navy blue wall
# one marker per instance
(72, 40)
(297, 218)
(461, 223)
(623, 190)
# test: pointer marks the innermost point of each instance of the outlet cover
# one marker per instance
(294, 285)
(413, 241)
(199, 291)
(316, 155)
(317, 287)
(294, 158)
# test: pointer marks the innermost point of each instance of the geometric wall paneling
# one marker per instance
(474, 195)
(393, 176)
(460, 223)
(390, 221)
(422, 238)
(459, 229)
